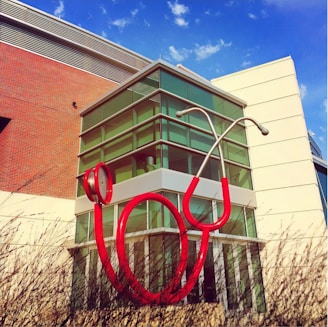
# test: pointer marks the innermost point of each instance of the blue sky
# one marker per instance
(217, 37)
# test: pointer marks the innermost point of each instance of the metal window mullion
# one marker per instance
(245, 220)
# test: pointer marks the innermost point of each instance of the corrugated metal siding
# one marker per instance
(50, 37)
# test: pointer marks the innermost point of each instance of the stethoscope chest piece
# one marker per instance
(98, 184)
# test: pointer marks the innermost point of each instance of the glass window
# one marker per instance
(82, 225)
(106, 289)
(177, 133)
(89, 160)
(108, 221)
(122, 169)
(118, 124)
(202, 211)
(229, 269)
(257, 276)
(239, 176)
(92, 280)
(235, 153)
(201, 141)
(209, 276)
(245, 285)
(91, 139)
(79, 278)
(199, 95)
(163, 256)
(138, 217)
(156, 271)
(147, 133)
(251, 225)
(121, 100)
(139, 261)
(236, 222)
(193, 296)
(118, 147)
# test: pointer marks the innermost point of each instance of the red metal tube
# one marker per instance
(226, 206)
(154, 298)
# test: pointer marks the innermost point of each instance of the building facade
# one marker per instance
(134, 129)
(70, 99)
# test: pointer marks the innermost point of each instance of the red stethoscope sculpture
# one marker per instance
(98, 186)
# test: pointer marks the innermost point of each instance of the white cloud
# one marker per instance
(177, 8)
(303, 90)
(252, 16)
(59, 11)
(134, 12)
(103, 34)
(146, 23)
(204, 51)
(181, 22)
(245, 63)
(178, 55)
(103, 9)
(121, 23)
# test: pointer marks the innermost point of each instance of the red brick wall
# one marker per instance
(39, 147)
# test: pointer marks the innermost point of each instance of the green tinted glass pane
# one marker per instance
(257, 277)
(236, 223)
(251, 226)
(245, 285)
(173, 84)
(118, 147)
(78, 278)
(147, 133)
(139, 261)
(179, 159)
(156, 263)
(193, 296)
(235, 153)
(108, 221)
(137, 219)
(160, 215)
(169, 220)
(239, 176)
(106, 289)
(202, 211)
(89, 160)
(82, 223)
(229, 269)
(230, 109)
(118, 124)
(91, 139)
(92, 280)
(177, 133)
(147, 109)
(199, 95)
(122, 170)
(120, 101)
(201, 141)
(155, 214)
(80, 188)
(91, 227)
(209, 276)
